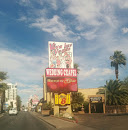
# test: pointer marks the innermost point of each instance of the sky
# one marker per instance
(96, 28)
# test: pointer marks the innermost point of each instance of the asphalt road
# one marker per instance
(23, 121)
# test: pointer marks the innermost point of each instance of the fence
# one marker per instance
(117, 109)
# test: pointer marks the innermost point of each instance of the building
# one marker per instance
(96, 101)
(10, 95)
(88, 91)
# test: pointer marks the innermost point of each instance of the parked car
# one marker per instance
(13, 111)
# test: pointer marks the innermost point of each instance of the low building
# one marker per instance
(96, 101)
(88, 91)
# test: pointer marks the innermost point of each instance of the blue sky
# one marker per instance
(96, 28)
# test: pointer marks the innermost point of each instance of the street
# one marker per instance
(23, 121)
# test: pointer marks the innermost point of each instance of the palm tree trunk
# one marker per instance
(116, 71)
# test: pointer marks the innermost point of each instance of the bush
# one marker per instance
(86, 107)
(47, 106)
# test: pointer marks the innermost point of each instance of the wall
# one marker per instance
(117, 109)
(89, 91)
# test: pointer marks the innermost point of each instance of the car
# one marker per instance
(25, 110)
(13, 111)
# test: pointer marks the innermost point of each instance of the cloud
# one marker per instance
(90, 18)
(88, 73)
(121, 3)
(34, 89)
(31, 3)
(84, 11)
(50, 25)
(91, 13)
(95, 73)
(53, 26)
(89, 35)
(2, 13)
(107, 71)
(25, 2)
(26, 67)
(125, 30)
(95, 26)
(23, 18)
(24, 70)
(53, 4)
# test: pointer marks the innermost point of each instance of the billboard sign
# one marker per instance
(61, 84)
(95, 99)
(60, 72)
(35, 100)
(60, 54)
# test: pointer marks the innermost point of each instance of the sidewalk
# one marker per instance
(59, 123)
(1, 114)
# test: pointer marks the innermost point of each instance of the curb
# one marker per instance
(47, 122)
(62, 118)
(44, 120)
(74, 121)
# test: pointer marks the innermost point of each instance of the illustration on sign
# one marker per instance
(60, 55)
(62, 99)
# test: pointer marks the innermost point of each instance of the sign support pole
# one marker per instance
(89, 108)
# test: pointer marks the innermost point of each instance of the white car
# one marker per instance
(25, 110)
(13, 111)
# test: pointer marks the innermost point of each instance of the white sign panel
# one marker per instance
(60, 54)
(60, 72)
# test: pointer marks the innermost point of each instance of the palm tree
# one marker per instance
(115, 93)
(3, 76)
(76, 66)
(125, 83)
(3, 87)
(117, 59)
(18, 101)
